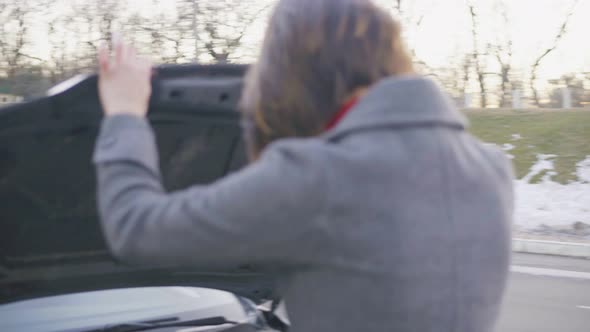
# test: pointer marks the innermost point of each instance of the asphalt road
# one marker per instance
(547, 294)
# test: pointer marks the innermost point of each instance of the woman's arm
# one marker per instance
(265, 214)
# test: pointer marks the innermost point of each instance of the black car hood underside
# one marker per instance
(50, 239)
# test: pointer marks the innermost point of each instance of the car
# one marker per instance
(56, 272)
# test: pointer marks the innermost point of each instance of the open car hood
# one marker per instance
(50, 237)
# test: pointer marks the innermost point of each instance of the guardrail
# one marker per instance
(569, 249)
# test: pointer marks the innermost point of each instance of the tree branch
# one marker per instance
(31, 57)
(560, 34)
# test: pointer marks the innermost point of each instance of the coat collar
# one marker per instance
(402, 101)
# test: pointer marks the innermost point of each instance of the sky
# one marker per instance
(533, 25)
(445, 30)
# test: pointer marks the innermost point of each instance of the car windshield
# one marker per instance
(519, 71)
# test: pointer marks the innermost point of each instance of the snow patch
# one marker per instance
(583, 170)
(544, 163)
(516, 137)
(551, 204)
(508, 147)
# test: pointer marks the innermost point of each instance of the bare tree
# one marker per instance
(93, 23)
(504, 58)
(558, 37)
(14, 16)
(225, 24)
(502, 51)
(188, 19)
(158, 36)
(411, 20)
(195, 27)
(409, 15)
(59, 62)
(21, 72)
(397, 5)
(454, 77)
(199, 29)
(477, 57)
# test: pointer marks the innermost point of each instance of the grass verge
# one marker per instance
(564, 133)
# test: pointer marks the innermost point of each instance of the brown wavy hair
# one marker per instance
(316, 54)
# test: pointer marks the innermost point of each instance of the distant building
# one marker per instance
(6, 98)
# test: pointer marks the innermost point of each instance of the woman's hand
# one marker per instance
(124, 81)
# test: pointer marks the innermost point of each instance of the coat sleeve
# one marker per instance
(265, 214)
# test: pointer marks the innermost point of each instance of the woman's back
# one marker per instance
(414, 229)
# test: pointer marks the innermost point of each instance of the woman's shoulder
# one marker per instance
(296, 149)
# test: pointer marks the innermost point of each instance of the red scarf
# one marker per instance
(341, 113)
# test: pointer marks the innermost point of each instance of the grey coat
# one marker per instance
(395, 220)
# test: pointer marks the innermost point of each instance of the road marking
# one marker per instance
(537, 271)
(583, 307)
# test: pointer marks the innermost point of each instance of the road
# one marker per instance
(547, 294)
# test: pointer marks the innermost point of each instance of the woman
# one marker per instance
(365, 196)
